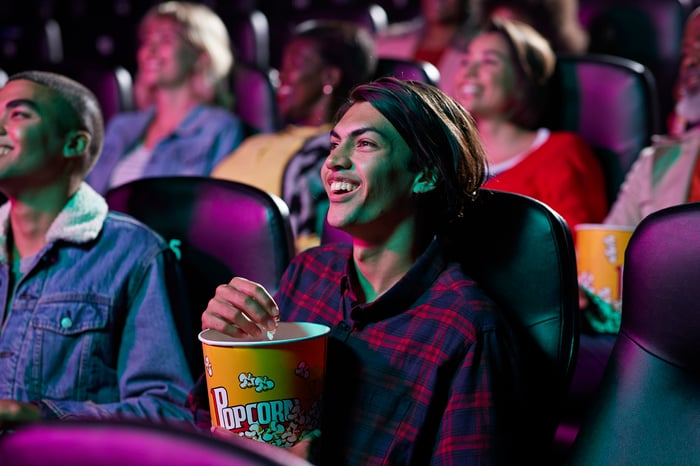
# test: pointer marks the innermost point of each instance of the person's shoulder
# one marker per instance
(568, 145)
(567, 139)
(123, 226)
(468, 303)
(128, 119)
(215, 117)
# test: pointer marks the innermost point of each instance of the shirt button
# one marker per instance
(66, 322)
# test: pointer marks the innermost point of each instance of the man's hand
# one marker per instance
(16, 412)
(241, 308)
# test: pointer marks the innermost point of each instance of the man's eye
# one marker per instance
(19, 114)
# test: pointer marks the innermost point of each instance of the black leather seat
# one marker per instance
(250, 37)
(219, 229)
(521, 252)
(255, 98)
(112, 84)
(408, 69)
(647, 31)
(647, 410)
(611, 102)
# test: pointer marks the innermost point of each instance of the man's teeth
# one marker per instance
(4, 150)
(342, 186)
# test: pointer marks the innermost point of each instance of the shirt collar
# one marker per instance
(403, 294)
(80, 221)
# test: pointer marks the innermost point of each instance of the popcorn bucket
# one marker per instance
(267, 389)
(600, 255)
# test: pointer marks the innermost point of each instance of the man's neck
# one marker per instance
(380, 265)
(31, 217)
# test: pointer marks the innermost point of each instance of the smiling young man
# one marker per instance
(418, 357)
(86, 319)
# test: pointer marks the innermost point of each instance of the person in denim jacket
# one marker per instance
(183, 125)
(87, 326)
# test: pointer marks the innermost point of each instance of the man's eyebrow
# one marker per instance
(360, 131)
(23, 103)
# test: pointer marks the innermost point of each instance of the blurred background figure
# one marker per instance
(687, 90)
(428, 36)
(503, 83)
(667, 172)
(556, 20)
(433, 36)
(183, 126)
(321, 63)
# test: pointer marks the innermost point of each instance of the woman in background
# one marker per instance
(183, 126)
(503, 83)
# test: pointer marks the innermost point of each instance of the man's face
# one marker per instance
(689, 73)
(366, 174)
(31, 144)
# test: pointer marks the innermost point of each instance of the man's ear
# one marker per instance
(331, 76)
(77, 143)
(425, 181)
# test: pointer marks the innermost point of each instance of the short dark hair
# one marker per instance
(345, 45)
(443, 138)
(83, 107)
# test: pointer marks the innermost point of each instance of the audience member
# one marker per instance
(428, 36)
(321, 63)
(184, 126)
(434, 36)
(420, 363)
(87, 326)
(666, 173)
(504, 85)
(556, 20)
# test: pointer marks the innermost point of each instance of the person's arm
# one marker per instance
(472, 429)
(633, 192)
(228, 136)
(152, 373)
(575, 184)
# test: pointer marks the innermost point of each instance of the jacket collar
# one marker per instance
(80, 221)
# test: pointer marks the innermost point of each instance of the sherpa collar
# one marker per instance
(80, 220)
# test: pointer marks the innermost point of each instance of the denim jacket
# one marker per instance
(90, 331)
(203, 139)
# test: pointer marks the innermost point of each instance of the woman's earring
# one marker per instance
(327, 89)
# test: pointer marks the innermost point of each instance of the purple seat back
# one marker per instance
(111, 443)
(647, 408)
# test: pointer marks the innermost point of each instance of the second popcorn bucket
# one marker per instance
(267, 390)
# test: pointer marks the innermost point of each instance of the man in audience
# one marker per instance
(86, 322)
(421, 366)
(667, 173)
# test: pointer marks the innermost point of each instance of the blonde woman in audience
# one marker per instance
(184, 126)
(321, 63)
(503, 83)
